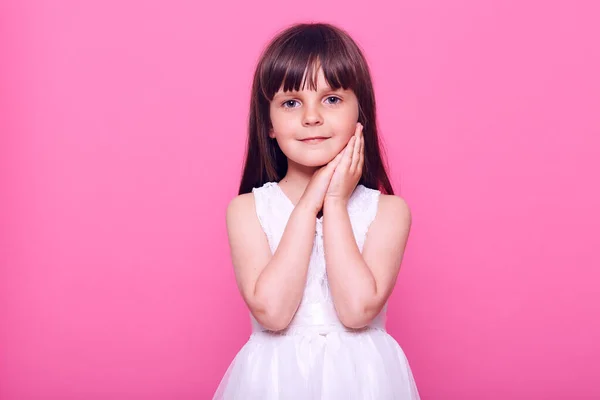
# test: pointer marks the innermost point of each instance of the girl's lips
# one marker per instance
(314, 140)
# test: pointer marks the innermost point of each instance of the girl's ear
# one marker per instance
(271, 133)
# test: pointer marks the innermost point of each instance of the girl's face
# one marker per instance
(312, 127)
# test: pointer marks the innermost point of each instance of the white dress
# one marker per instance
(316, 357)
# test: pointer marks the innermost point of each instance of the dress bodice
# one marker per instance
(316, 312)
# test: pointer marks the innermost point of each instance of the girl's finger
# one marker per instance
(361, 159)
(334, 163)
(355, 153)
(347, 158)
(331, 167)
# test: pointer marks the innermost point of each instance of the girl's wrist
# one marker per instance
(335, 201)
(305, 207)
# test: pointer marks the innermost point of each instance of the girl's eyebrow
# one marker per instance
(292, 92)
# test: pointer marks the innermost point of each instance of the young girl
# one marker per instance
(315, 245)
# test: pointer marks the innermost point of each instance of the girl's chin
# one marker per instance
(313, 162)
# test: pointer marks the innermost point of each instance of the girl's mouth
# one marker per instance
(314, 140)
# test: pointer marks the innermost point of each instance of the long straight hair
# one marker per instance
(293, 54)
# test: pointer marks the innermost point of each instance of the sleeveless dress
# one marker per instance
(316, 356)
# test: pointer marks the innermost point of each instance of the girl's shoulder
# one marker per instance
(240, 207)
(393, 209)
(387, 202)
(372, 206)
(244, 205)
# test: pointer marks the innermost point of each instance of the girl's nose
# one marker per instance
(312, 117)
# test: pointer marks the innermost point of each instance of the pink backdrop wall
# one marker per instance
(122, 128)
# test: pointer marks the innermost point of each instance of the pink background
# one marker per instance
(122, 130)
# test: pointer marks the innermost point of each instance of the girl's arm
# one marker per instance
(361, 284)
(271, 284)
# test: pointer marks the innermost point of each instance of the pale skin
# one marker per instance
(321, 176)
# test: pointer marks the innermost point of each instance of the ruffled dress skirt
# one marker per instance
(340, 365)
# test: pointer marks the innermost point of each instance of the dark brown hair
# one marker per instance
(300, 49)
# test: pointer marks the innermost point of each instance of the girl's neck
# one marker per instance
(296, 180)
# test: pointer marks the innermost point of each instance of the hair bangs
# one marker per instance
(301, 56)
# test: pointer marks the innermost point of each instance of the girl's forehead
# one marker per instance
(320, 82)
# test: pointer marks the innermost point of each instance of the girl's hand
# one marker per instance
(314, 194)
(349, 170)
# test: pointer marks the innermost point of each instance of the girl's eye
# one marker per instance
(289, 103)
(336, 100)
(331, 100)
